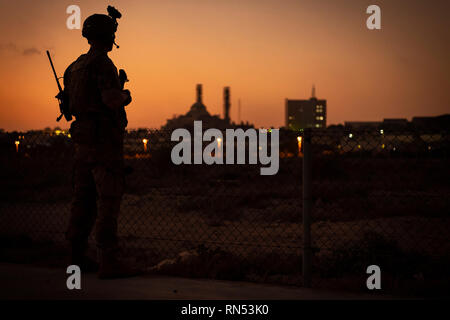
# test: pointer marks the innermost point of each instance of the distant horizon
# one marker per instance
(159, 128)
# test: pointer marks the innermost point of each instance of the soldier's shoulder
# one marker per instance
(80, 61)
(102, 61)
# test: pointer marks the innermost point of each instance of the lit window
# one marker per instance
(319, 109)
(319, 118)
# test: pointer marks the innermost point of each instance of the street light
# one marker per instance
(17, 142)
(144, 141)
(299, 144)
(219, 142)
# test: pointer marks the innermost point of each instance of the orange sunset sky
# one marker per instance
(264, 50)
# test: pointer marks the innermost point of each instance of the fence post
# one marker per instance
(307, 208)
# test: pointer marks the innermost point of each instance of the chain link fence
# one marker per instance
(341, 201)
(379, 197)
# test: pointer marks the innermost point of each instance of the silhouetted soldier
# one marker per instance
(97, 100)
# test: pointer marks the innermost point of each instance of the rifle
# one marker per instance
(123, 78)
(61, 96)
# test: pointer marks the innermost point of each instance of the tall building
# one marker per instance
(301, 114)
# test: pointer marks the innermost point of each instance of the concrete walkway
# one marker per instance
(31, 282)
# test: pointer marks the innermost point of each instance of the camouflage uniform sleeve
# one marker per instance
(66, 78)
(106, 74)
(107, 77)
(67, 81)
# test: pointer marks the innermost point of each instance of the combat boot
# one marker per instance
(111, 268)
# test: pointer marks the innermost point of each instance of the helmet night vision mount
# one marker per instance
(114, 14)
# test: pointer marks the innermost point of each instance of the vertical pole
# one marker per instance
(307, 208)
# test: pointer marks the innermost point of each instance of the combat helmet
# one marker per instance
(99, 27)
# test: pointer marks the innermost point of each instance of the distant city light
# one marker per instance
(219, 142)
(299, 144)
(17, 142)
(382, 131)
(350, 135)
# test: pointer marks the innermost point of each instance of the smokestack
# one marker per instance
(239, 111)
(226, 103)
(199, 93)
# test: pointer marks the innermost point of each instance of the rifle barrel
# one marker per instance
(54, 72)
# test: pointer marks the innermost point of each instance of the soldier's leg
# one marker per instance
(83, 211)
(109, 181)
(110, 186)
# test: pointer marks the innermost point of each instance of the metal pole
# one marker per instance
(307, 208)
